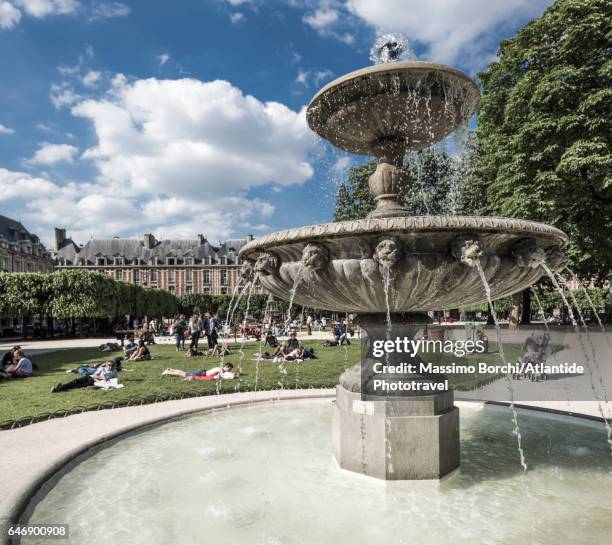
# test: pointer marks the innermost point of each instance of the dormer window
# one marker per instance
(100, 261)
(170, 261)
(118, 261)
(188, 261)
(224, 260)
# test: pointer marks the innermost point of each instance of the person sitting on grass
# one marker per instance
(215, 373)
(130, 348)
(142, 353)
(193, 352)
(220, 350)
(8, 360)
(22, 367)
(84, 370)
(285, 349)
(300, 354)
(102, 374)
(271, 340)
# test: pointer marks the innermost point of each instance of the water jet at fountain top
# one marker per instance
(391, 48)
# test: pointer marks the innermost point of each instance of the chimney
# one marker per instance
(149, 241)
(249, 238)
(60, 237)
(201, 238)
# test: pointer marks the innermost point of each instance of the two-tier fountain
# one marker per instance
(395, 265)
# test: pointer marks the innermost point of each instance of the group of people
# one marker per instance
(15, 364)
(196, 328)
(291, 350)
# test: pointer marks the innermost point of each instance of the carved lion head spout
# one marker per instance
(388, 252)
(556, 259)
(247, 271)
(315, 257)
(266, 264)
(527, 253)
(467, 250)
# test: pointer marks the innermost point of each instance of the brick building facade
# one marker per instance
(179, 266)
(20, 250)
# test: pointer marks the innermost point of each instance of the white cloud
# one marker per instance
(322, 75)
(23, 186)
(173, 157)
(50, 154)
(9, 15)
(321, 18)
(163, 58)
(44, 8)
(63, 95)
(302, 77)
(43, 127)
(109, 10)
(6, 130)
(91, 79)
(153, 132)
(449, 29)
(236, 17)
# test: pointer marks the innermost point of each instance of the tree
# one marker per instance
(433, 187)
(542, 147)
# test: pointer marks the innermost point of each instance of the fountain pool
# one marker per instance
(264, 474)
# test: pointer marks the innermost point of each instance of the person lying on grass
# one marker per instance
(215, 373)
(193, 353)
(20, 368)
(90, 369)
(142, 353)
(102, 374)
(298, 354)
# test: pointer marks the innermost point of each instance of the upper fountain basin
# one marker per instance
(430, 261)
(407, 105)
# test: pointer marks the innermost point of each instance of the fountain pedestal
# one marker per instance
(399, 436)
(396, 440)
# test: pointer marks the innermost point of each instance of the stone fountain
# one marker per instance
(397, 265)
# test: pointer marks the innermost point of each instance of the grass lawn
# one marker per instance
(32, 397)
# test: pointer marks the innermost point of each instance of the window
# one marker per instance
(170, 261)
(119, 274)
(82, 262)
(207, 290)
(17, 266)
(223, 278)
(189, 275)
(171, 275)
(189, 261)
(188, 289)
(206, 277)
(118, 261)
(136, 275)
(224, 260)
(153, 277)
(29, 265)
(171, 289)
(223, 291)
(100, 261)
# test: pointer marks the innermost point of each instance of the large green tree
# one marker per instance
(542, 146)
(433, 187)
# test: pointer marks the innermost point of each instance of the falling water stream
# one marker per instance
(517, 430)
(386, 274)
(592, 305)
(559, 289)
(554, 355)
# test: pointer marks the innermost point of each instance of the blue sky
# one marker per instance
(118, 118)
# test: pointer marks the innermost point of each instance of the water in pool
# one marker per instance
(265, 475)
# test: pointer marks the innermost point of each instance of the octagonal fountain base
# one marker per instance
(396, 439)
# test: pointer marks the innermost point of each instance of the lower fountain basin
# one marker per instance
(341, 265)
(265, 474)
